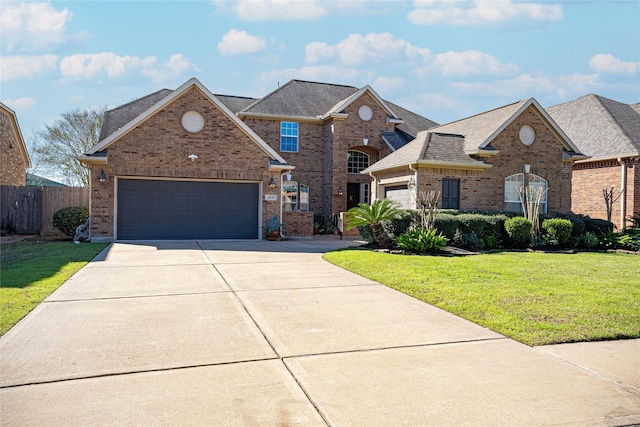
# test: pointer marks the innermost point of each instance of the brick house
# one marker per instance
(609, 133)
(477, 163)
(186, 163)
(14, 158)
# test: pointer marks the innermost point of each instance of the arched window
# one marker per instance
(357, 161)
(515, 183)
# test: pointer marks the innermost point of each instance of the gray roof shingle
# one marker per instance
(600, 127)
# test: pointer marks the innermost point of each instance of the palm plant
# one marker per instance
(373, 216)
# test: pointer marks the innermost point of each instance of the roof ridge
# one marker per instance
(616, 121)
(139, 99)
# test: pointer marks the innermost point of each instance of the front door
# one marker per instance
(353, 195)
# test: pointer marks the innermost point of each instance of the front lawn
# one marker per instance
(31, 270)
(534, 298)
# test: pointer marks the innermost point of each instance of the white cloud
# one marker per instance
(357, 49)
(481, 12)
(467, 63)
(438, 101)
(526, 85)
(177, 65)
(607, 63)
(32, 26)
(318, 73)
(76, 98)
(281, 10)
(387, 84)
(14, 67)
(97, 64)
(240, 43)
(20, 104)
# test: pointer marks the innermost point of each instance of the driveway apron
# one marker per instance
(267, 333)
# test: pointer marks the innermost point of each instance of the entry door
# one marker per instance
(353, 195)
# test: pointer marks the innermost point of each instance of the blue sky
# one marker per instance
(445, 60)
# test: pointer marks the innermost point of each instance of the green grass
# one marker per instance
(31, 270)
(534, 298)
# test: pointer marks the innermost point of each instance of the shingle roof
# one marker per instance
(636, 107)
(299, 98)
(429, 147)
(116, 118)
(479, 128)
(600, 127)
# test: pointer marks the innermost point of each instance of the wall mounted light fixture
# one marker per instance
(272, 183)
(340, 192)
(411, 184)
(193, 157)
(527, 168)
(103, 177)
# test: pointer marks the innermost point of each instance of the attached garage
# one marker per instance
(401, 195)
(166, 210)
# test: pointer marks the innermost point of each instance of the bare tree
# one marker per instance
(609, 199)
(69, 137)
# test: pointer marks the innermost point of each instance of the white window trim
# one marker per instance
(297, 137)
(360, 152)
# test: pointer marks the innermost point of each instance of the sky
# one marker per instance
(444, 60)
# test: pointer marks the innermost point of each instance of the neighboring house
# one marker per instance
(33, 179)
(478, 163)
(609, 133)
(14, 158)
(186, 163)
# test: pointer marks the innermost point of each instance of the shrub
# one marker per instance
(558, 230)
(422, 241)
(589, 240)
(67, 219)
(366, 233)
(519, 230)
(447, 224)
(598, 226)
(472, 223)
(468, 240)
(405, 220)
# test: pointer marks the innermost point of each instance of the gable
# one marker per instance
(192, 86)
(11, 132)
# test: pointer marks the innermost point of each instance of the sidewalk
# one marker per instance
(267, 333)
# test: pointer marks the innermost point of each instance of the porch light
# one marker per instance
(103, 177)
(272, 183)
(340, 192)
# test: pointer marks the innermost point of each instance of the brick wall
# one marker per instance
(298, 224)
(589, 179)
(484, 190)
(159, 147)
(12, 165)
(321, 160)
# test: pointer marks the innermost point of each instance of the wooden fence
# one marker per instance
(30, 209)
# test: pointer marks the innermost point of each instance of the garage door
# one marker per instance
(156, 209)
(401, 195)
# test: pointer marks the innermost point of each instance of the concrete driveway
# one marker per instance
(267, 333)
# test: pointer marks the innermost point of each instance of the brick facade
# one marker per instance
(159, 148)
(13, 166)
(297, 224)
(590, 178)
(484, 189)
(321, 160)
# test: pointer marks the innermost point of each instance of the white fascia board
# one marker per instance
(453, 165)
(341, 106)
(281, 117)
(93, 160)
(168, 99)
(283, 167)
(483, 153)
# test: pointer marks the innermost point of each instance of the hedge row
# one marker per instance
(485, 230)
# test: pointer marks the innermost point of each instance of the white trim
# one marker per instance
(389, 144)
(18, 131)
(193, 82)
(350, 100)
(543, 115)
(100, 160)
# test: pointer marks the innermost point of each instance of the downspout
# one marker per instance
(281, 186)
(415, 187)
(623, 193)
(375, 181)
